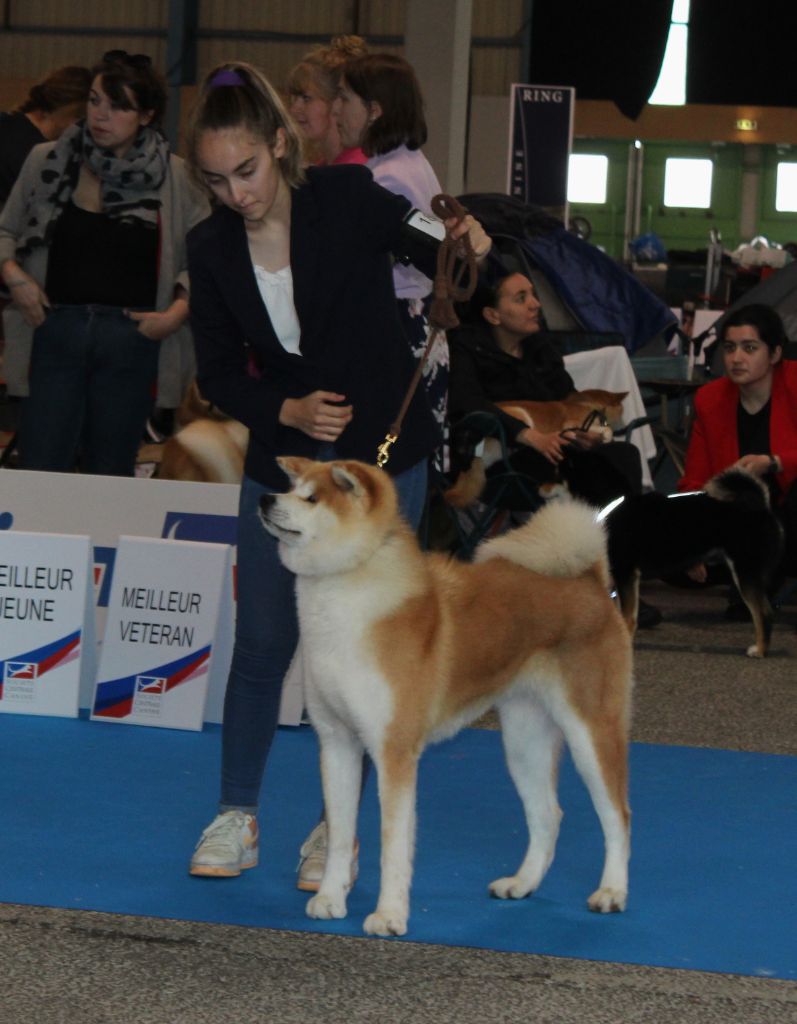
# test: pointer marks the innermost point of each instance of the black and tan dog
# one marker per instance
(652, 535)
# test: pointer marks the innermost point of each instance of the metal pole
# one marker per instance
(525, 41)
(181, 59)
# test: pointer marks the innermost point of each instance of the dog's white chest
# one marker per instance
(336, 625)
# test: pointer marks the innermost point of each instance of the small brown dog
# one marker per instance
(208, 446)
(571, 413)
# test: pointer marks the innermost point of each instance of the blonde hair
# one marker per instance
(237, 95)
(323, 65)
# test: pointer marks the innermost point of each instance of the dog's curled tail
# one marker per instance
(740, 487)
(562, 539)
(215, 449)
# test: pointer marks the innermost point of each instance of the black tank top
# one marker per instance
(99, 259)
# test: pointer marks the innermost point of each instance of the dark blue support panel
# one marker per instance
(181, 58)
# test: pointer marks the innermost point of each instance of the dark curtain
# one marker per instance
(742, 53)
(608, 50)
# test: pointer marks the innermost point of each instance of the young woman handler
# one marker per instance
(291, 275)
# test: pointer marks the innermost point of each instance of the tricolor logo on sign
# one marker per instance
(148, 693)
(20, 670)
(21, 675)
(150, 684)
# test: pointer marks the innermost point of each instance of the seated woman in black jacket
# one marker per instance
(503, 354)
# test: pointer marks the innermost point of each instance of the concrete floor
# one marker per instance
(694, 687)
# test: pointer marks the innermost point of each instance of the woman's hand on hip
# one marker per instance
(319, 415)
(158, 326)
(29, 298)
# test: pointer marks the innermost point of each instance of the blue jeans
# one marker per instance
(92, 376)
(266, 634)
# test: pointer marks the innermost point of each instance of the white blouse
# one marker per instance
(276, 290)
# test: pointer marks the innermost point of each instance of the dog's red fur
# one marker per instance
(547, 417)
(208, 447)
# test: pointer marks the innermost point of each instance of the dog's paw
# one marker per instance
(324, 907)
(753, 651)
(607, 901)
(511, 888)
(385, 923)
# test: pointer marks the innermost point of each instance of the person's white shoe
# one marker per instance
(227, 846)
(313, 860)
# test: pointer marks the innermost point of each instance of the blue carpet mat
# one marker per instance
(103, 817)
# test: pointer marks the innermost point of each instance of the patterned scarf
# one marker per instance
(129, 185)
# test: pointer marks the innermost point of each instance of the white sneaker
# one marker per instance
(313, 860)
(227, 846)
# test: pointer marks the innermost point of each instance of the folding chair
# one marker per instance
(506, 490)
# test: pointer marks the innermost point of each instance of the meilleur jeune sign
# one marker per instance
(46, 622)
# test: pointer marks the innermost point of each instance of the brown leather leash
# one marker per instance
(448, 289)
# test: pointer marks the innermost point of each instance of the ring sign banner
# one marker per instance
(540, 139)
(46, 622)
(160, 632)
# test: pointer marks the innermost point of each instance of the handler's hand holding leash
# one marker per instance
(465, 243)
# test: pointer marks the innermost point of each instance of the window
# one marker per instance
(786, 188)
(687, 182)
(671, 86)
(586, 178)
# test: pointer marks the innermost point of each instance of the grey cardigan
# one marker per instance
(183, 206)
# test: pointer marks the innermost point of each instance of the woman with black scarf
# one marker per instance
(92, 252)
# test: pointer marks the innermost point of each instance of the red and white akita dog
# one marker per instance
(402, 648)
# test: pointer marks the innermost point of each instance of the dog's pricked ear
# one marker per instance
(346, 481)
(292, 465)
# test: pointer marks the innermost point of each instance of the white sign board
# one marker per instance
(160, 632)
(106, 507)
(46, 623)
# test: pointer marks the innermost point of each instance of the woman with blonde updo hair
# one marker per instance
(312, 90)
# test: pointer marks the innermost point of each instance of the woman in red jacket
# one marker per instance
(749, 417)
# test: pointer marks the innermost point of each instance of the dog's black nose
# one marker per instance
(266, 501)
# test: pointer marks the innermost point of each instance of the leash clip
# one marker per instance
(383, 450)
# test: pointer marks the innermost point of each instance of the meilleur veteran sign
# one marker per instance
(160, 632)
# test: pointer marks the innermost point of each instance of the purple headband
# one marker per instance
(226, 77)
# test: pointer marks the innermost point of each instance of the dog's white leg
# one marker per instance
(603, 766)
(532, 743)
(398, 773)
(755, 597)
(341, 772)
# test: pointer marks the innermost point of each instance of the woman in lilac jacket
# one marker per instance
(381, 110)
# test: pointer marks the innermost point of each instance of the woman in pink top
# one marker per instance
(312, 90)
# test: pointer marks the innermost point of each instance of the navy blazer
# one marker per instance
(343, 229)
